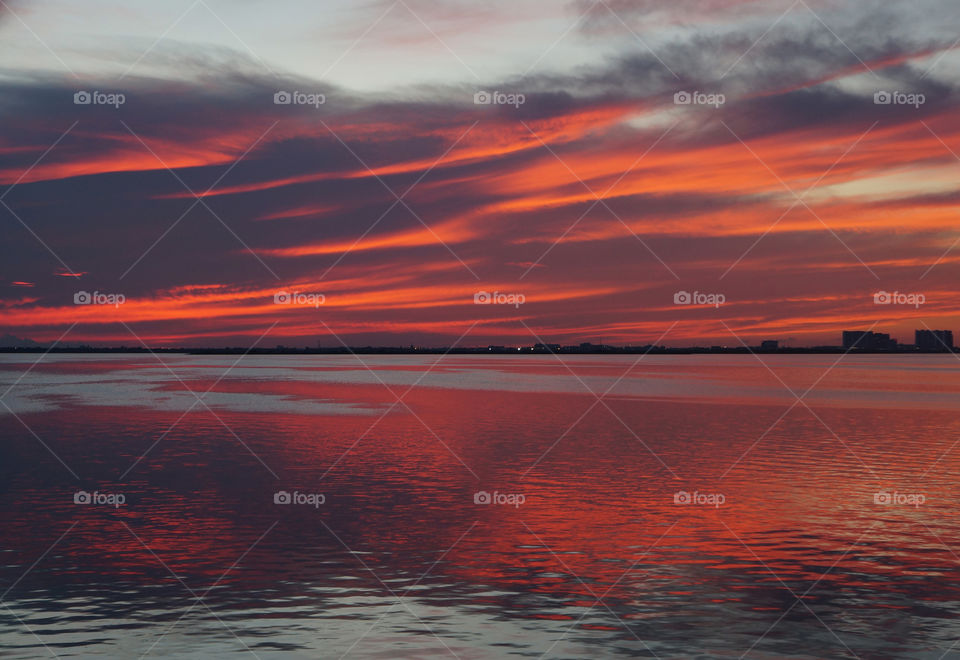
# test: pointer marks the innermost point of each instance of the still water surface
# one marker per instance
(704, 507)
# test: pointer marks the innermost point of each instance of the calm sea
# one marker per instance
(480, 507)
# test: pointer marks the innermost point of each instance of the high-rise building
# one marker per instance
(934, 340)
(868, 341)
(853, 338)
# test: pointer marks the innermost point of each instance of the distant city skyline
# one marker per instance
(926, 341)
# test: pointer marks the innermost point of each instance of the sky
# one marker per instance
(632, 172)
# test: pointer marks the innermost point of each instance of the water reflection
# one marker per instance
(399, 560)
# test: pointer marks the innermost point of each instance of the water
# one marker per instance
(787, 549)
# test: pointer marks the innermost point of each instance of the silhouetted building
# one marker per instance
(934, 340)
(769, 345)
(853, 338)
(546, 348)
(590, 347)
(868, 341)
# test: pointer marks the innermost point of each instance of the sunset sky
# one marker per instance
(797, 195)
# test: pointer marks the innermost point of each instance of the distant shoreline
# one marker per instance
(526, 350)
